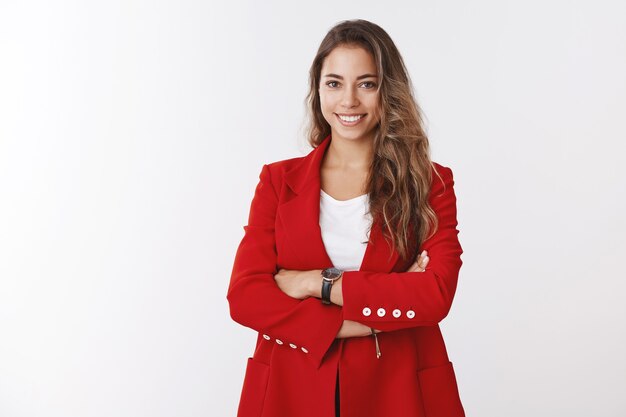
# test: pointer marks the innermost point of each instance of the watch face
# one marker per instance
(332, 273)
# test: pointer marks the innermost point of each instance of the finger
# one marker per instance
(420, 262)
(421, 256)
(415, 268)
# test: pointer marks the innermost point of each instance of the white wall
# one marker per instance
(132, 134)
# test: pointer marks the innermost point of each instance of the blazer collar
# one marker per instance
(299, 211)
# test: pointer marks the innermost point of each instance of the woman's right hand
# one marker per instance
(420, 262)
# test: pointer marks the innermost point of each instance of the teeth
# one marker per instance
(350, 118)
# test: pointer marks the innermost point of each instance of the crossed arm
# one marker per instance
(291, 311)
(304, 284)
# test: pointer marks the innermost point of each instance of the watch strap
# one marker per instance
(327, 285)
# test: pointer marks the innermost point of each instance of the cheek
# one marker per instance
(326, 106)
(373, 105)
(371, 101)
(324, 100)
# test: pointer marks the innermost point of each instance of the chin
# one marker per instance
(360, 135)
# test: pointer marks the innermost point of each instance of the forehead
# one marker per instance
(349, 60)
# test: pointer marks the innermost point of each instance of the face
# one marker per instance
(348, 88)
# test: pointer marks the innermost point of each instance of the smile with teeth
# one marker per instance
(350, 120)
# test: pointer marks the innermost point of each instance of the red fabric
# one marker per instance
(293, 370)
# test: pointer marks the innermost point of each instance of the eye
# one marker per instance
(367, 83)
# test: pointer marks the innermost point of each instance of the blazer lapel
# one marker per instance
(299, 211)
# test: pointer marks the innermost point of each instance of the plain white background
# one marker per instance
(132, 134)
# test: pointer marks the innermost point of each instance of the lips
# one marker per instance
(350, 114)
(353, 120)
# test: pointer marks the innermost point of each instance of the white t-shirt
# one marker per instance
(345, 226)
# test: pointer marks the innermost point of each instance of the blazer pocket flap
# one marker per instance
(254, 387)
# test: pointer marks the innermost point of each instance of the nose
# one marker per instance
(349, 98)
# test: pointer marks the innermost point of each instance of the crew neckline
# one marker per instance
(333, 200)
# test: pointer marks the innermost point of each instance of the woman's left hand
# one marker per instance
(297, 284)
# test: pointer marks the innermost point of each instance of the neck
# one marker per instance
(344, 154)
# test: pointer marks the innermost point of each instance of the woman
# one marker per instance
(350, 257)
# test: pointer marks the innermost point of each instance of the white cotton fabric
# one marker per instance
(345, 226)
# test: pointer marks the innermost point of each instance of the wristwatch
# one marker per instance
(329, 276)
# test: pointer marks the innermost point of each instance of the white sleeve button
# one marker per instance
(396, 313)
(410, 314)
(367, 311)
(304, 350)
(280, 342)
(381, 312)
(291, 345)
(266, 337)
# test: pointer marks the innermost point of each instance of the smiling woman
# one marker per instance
(339, 93)
(350, 257)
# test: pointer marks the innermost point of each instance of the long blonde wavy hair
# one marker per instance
(400, 175)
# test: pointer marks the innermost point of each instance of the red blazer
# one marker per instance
(293, 370)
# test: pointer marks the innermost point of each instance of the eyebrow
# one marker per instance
(358, 78)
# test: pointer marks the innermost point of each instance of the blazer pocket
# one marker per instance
(254, 387)
(440, 394)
